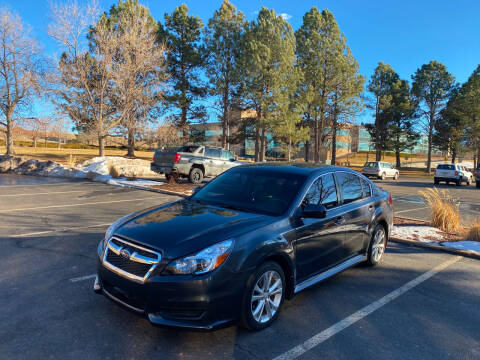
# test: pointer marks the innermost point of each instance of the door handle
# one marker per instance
(370, 208)
(340, 220)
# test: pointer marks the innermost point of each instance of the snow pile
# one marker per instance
(420, 233)
(434, 236)
(98, 169)
(463, 245)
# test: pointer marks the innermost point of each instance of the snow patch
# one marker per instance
(418, 232)
(463, 245)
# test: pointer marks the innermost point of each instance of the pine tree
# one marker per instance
(432, 84)
(224, 35)
(182, 34)
(267, 63)
(380, 86)
(320, 47)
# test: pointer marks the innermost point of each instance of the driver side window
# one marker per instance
(323, 192)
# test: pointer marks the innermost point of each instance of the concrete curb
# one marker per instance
(465, 253)
(165, 192)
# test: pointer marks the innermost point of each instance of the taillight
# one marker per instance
(177, 157)
(456, 173)
(390, 201)
(475, 173)
(378, 170)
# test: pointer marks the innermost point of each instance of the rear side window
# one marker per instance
(227, 155)
(350, 186)
(212, 152)
(188, 148)
(371, 164)
(367, 192)
(323, 192)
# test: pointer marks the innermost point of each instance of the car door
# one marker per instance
(228, 160)
(357, 211)
(319, 243)
(214, 161)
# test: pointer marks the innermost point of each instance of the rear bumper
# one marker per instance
(204, 302)
(161, 169)
(443, 178)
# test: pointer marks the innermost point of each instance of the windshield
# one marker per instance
(253, 190)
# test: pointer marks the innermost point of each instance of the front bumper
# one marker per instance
(204, 302)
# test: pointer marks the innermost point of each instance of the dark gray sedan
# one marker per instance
(250, 238)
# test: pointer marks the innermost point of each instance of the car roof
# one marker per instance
(296, 168)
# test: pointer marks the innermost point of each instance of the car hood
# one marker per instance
(183, 227)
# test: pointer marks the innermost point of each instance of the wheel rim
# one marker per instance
(266, 296)
(378, 246)
(196, 176)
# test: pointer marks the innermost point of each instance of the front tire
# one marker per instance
(264, 296)
(383, 177)
(395, 177)
(377, 246)
(196, 175)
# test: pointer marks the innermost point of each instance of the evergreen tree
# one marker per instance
(380, 86)
(224, 35)
(182, 34)
(267, 63)
(432, 84)
(320, 50)
(401, 132)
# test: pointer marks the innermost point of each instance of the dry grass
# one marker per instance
(72, 160)
(473, 232)
(63, 155)
(445, 213)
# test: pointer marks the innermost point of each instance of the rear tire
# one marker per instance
(395, 177)
(383, 177)
(477, 184)
(436, 182)
(377, 246)
(196, 175)
(459, 182)
(264, 296)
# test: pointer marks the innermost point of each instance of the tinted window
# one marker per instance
(188, 148)
(213, 152)
(446, 167)
(323, 192)
(250, 189)
(350, 186)
(371, 164)
(227, 155)
(367, 192)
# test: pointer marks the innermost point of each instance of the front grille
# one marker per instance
(129, 266)
(130, 260)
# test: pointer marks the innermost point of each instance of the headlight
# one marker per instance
(202, 262)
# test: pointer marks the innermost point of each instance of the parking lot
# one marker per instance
(418, 304)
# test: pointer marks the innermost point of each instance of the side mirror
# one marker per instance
(314, 211)
(233, 159)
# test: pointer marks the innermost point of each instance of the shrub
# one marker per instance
(115, 171)
(445, 210)
(473, 232)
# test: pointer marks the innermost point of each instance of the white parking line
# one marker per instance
(72, 205)
(58, 230)
(81, 278)
(359, 315)
(414, 209)
(45, 193)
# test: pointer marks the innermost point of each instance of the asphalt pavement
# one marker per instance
(418, 304)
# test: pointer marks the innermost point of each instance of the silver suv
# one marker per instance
(452, 173)
(380, 169)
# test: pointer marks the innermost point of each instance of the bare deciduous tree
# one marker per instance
(84, 85)
(21, 70)
(140, 70)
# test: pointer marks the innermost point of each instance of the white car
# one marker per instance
(452, 173)
(380, 169)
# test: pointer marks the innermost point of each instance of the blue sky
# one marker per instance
(404, 34)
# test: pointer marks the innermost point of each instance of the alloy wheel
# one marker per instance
(266, 296)
(378, 246)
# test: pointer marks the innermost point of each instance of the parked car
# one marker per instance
(244, 242)
(380, 169)
(477, 177)
(452, 173)
(193, 161)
